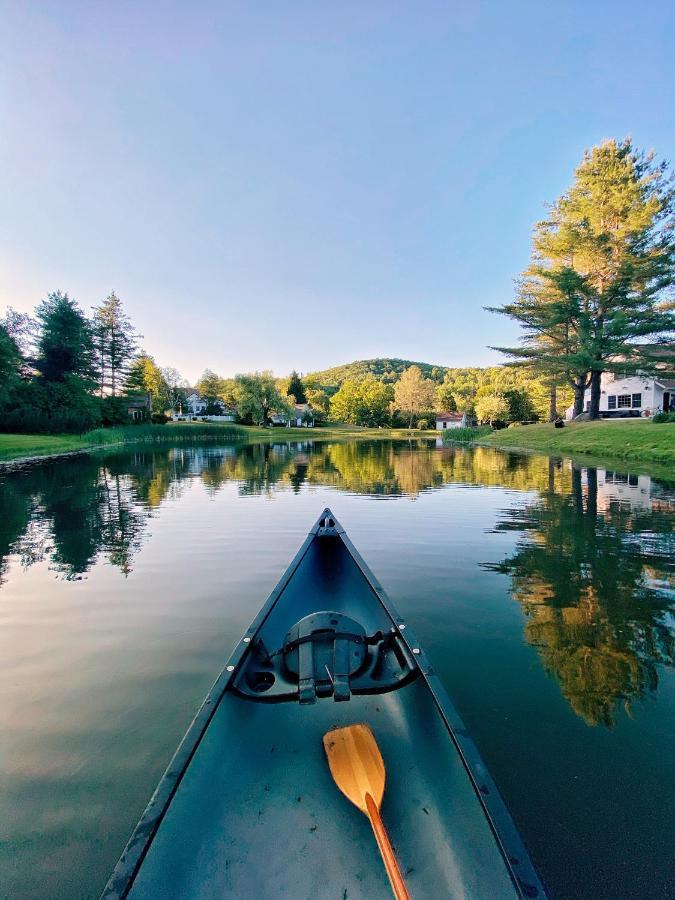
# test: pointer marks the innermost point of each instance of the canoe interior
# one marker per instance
(257, 814)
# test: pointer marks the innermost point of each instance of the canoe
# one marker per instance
(248, 808)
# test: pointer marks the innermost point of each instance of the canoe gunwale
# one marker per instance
(506, 834)
(137, 846)
(507, 837)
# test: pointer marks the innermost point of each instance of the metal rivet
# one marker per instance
(416, 649)
(247, 640)
(231, 668)
(401, 626)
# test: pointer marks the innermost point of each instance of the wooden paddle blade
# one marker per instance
(356, 764)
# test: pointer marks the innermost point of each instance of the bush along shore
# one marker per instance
(625, 439)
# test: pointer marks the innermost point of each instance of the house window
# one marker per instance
(445, 424)
(624, 401)
(637, 400)
(588, 406)
(611, 401)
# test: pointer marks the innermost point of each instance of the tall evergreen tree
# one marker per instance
(10, 362)
(550, 308)
(607, 251)
(115, 341)
(64, 345)
(296, 388)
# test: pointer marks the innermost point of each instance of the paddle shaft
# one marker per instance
(386, 851)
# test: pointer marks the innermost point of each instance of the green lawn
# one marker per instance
(628, 439)
(24, 446)
(20, 446)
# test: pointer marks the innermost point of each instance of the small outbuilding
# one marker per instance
(445, 420)
(139, 407)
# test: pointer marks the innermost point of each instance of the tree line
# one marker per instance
(598, 293)
(64, 371)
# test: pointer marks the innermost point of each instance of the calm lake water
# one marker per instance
(543, 592)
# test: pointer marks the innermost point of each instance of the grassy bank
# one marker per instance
(15, 447)
(27, 446)
(625, 439)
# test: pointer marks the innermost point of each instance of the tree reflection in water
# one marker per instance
(594, 574)
(593, 566)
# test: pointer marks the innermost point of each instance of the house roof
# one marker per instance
(657, 351)
(449, 416)
(139, 402)
(667, 383)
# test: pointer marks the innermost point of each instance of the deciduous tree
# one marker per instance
(492, 408)
(413, 393)
(176, 387)
(259, 396)
(145, 377)
(364, 401)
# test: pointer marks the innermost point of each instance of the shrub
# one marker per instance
(661, 418)
(51, 407)
(423, 424)
(115, 411)
(465, 435)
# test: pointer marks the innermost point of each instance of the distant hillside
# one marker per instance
(384, 369)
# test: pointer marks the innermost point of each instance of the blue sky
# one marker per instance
(299, 184)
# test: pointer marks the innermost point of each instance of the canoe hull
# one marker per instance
(248, 807)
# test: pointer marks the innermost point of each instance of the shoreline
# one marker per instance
(630, 457)
(622, 445)
(229, 435)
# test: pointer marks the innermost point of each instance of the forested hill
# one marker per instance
(384, 369)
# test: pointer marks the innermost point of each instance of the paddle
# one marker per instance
(358, 770)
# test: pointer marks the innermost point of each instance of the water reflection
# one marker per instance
(592, 566)
(593, 570)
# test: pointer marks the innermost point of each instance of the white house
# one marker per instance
(626, 396)
(301, 417)
(195, 405)
(446, 420)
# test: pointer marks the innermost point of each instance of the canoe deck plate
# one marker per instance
(326, 654)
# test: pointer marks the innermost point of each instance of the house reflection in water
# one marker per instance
(593, 570)
(632, 492)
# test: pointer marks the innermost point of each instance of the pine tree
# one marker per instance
(550, 308)
(603, 266)
(115, 344)
(296, 388)
(10, 362)
(64, 345)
